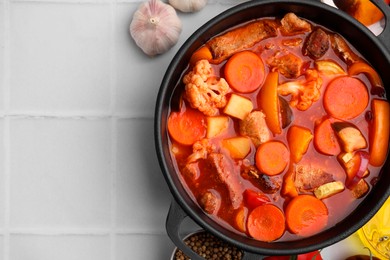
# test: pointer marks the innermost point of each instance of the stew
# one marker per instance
(282, 128)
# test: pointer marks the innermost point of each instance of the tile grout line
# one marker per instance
(6, 134)
(113, 204)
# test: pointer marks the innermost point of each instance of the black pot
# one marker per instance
(376, 49)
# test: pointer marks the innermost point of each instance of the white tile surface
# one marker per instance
(59, 57)
(75, 247)
(79, 177)
(57, 167)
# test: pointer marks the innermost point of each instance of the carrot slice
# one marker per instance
(266, 223)
(203, 53)
(325, 139)
(187, 127)
(379, 131)
(345, 97)
(306, 215)
(272, 157)
(244, 71)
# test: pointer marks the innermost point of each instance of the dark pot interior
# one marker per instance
(372, 48)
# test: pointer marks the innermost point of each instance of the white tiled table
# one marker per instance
(79, 178)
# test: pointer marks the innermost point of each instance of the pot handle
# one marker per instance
(175, 217)
(174, 220)
(384, 36)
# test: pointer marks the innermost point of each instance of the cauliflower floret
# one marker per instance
(204, 90)
(200, 150)
(303, 92)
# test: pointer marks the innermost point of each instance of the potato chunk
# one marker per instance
(216, 125)
(238, 106)
(238, 147)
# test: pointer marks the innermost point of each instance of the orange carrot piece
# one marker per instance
(298, 139)
(244, 71)
(325, 139)
(268, 101)
(379, 131)
(345, 97)
(240, 219)
(288, 189)
(374, 78)
(187, 127)
(203, 53)
(266, 223)
(272, 157)
(306, 215)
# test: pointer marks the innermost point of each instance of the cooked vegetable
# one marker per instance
(358, 67)
(216, 125)
(325, 140)
(203, 53)
(329, 68)
(355, 168)
(288, 189)
(379, 131)
(298, 139)
(187, 127)
(362, 10)
(286, 113)
(266, 223)
(303, 92)
(306, 215)
(328, 189)
(254, 199)
(240, 219)
(203, 90)
(238, 106)
(268, 101)
(272, 157)
(350, 137)
(238, 146)
(345, 97)
(244, 71)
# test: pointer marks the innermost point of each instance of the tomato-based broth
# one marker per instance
(281, 128)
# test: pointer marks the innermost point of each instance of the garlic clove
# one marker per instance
(188, 6)
(155, 27)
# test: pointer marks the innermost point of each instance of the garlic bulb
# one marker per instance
(188, 5)
(155, 27)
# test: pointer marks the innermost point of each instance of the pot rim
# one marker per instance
(198, 38)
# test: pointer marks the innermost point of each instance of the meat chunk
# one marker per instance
(191, 171)
(360, 189)
(226, 174)
(342, 50)
(288, 64)
(241, 38)
(265, 183)
(307, 178)
(210, 202)
(255, 127)
(203, 90)
(292, 25)
(316, 44)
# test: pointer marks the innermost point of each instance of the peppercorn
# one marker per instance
(209, 247)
